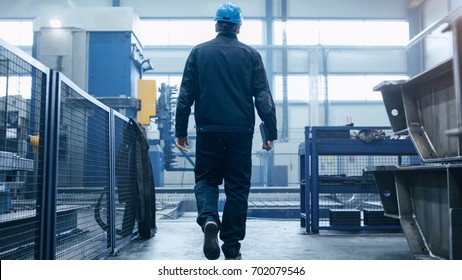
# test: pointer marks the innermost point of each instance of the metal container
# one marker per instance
(428, 202)
(427, 199)
(426, 108)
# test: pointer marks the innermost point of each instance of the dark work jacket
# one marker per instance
(226, 81)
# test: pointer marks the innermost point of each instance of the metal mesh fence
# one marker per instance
(125, 173)
(348, 195)
(83, 175)
(23, 90)
(67, 166)
(337, 190)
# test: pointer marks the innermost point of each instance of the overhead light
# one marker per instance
(55, 23)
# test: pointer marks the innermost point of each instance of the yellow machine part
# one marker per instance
(147, 93)
(34, 140)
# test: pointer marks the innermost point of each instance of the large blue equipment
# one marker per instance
(103, 57)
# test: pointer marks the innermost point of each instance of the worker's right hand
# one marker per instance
(267, 145)
(182, 142)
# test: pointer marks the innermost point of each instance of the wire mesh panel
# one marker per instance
(83, 175)
(23, 91)
(339, 193)
(68, 170)
(125, 178)
(348, 195)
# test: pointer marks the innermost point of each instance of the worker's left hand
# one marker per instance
(182, 142)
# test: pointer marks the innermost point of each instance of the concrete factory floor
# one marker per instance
(268, 239)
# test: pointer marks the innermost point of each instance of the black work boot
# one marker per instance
(211, 247)
(238, 257)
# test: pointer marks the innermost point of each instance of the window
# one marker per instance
(357, 87)
(346, 32)
(19, 33)
(297, 87)
(193, 32)
(340, 87)
(391, 33)
(16, 86)
(298, 32)
(341, 33)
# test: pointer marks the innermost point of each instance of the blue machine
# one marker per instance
(115, 62)
(98, 49)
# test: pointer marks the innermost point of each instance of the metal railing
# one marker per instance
(67, 173)
(335, 191)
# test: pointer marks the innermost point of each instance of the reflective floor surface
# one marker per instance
(268, 239)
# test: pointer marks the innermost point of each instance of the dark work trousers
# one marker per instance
(224, 156)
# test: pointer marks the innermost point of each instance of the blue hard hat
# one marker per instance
(230, 13)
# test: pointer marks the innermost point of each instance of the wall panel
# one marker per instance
(364, 9)
(347, 61)
(367, 61)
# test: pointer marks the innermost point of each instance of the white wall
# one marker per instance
(348, 9)
(437, 46)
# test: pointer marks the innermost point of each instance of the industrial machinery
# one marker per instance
(427, 199)
(166, 105)
(98, 49)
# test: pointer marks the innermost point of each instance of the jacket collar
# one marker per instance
(227, 34)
